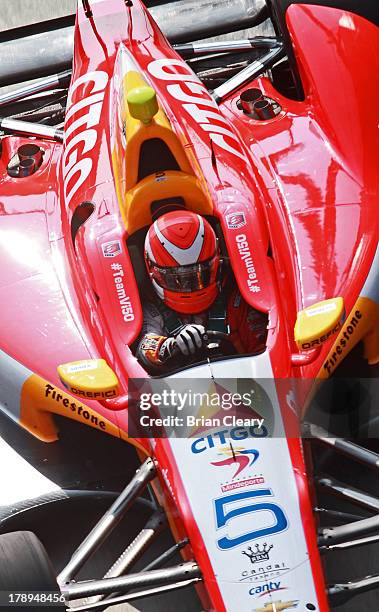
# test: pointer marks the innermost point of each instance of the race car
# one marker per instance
(273, 141)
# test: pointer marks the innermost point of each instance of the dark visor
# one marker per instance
(186, 278)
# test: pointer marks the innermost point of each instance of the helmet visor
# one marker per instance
(184, 279)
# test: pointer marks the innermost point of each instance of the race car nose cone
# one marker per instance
(142, 103)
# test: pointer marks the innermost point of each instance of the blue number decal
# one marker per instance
(223, 516)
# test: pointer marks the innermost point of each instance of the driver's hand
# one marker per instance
(190, 339)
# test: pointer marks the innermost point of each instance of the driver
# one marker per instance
(191, 296)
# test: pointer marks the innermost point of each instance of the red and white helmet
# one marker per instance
(182, 259)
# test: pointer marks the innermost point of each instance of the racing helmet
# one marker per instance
(183, 260)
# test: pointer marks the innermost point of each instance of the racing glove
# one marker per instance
(190, 339)
(154, 350)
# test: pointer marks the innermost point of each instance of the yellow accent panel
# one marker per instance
(137, 133)
(133, 79)
(316, 323)
(142, 103)
(137, 211)
(134, 208)
(39, 423)
(40, 400)
(361, 324)
(90, 378)
(152, 130)
(135, 138)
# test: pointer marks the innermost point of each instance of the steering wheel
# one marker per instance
(212, 341)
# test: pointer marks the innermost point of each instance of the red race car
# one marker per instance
(272, 143)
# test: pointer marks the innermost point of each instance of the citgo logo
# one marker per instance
(199, 106)
(76, 165)
(219, 438)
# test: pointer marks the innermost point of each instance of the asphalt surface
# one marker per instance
(17, 13)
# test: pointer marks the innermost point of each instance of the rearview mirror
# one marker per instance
(89, 378)
(316, 323)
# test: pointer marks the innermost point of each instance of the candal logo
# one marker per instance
(266, 589)
(265, 570)
(111, 249)
(259, 554)
(241, 457)
(235, 220)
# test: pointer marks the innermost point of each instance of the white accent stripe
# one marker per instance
(12, 377)
(183, 256)
(371, 286)
(148, 247)
(158, 289)
(241, 587)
